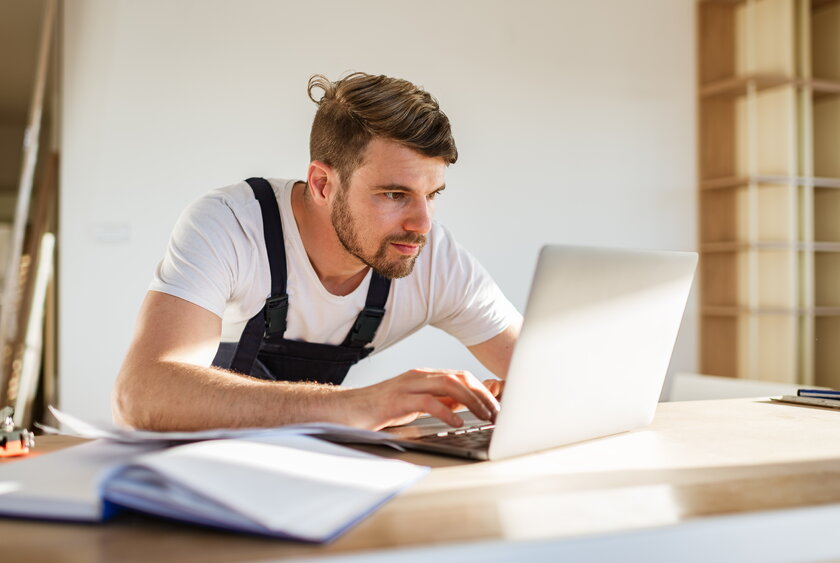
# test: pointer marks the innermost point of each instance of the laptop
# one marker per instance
(598, 333)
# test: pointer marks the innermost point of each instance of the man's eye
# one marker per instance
(394, 195)
(433, 195)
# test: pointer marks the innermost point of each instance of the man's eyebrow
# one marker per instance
(401, 188)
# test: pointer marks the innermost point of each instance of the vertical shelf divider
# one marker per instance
(807, 334)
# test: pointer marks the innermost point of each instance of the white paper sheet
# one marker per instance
(287, 486)
(75, 426)
(63, 485)
(282, 485)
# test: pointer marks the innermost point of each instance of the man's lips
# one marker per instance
(407, 249)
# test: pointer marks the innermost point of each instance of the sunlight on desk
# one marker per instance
(697, 436)
(697, 459)
(742, 458)
(588, 512)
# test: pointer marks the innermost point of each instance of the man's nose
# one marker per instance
(419, 219)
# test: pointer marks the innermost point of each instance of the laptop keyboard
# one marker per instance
(475, 437)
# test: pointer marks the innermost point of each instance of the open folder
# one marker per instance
(287, 486)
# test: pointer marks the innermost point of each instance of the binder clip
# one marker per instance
(13, 441)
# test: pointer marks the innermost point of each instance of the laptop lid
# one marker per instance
(599, 329)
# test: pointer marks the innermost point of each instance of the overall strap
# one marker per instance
(368, 321)
(271, 320)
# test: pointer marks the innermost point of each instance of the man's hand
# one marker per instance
(436, 392)
(495, 386)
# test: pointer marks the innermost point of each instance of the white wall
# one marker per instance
(574, 120)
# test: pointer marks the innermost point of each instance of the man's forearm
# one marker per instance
(170, 395)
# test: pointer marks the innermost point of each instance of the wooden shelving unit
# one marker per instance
(769, 189)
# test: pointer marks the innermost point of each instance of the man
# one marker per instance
(300, 280)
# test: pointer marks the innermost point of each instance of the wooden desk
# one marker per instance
(698, 459)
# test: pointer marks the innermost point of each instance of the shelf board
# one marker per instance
(823, 87)
(730, 182)
(738, 86)
(739, 181)
(817, 4)
(736, 2)
(826, 182)
(720, 247)
(824, 246)
(798, 311)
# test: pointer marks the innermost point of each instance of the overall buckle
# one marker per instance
(276, 310)
(366, 325)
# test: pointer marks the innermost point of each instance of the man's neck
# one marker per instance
(339, 271)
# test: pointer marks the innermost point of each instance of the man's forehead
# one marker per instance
(387, 163)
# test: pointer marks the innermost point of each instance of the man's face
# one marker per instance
(382, 216)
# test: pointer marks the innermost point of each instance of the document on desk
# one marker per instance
(64, 485)
(290, 486)
(75, 426)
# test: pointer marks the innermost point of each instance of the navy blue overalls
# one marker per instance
(263, 352)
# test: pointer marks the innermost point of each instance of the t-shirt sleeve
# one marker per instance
(200, 259)
(468, 304)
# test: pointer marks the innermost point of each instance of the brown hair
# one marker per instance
(361, 106)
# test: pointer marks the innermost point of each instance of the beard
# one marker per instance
(348, 234)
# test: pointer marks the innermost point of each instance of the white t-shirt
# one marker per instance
(217, 260)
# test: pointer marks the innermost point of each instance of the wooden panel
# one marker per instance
(825, 41)
(718, 215)
(827, 354)
(827, 281)
(771, 285)
(718, 346)
(717, 138)
(826, 215)
(806, 350)
(747, 348)
(806, 280)
(805, 132)
(827, 136)
(744, 164)
(776, 276)
(803, 38)
(775, 216)
(765, 42)
(776, 131)
(772, 37)
(768, 145)
(776, 348)
(716, 36)
(719, 279)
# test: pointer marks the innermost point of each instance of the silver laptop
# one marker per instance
(599, 330)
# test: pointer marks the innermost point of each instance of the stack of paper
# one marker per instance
(74, 426)
(282, 484)
(63, 485)
(293, 486)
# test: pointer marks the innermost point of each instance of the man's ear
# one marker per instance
(322, 181)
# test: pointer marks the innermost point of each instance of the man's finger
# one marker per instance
(448, 384)
(430, 405)
(480, 390)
